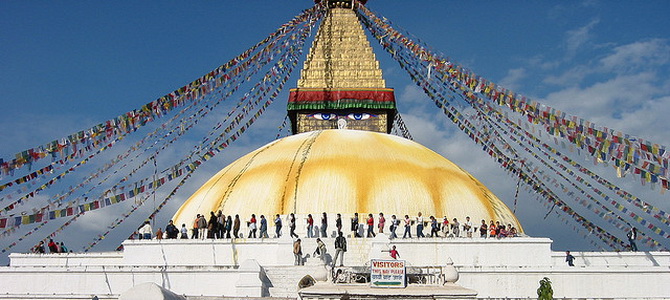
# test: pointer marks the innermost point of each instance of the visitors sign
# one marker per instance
(387, 273)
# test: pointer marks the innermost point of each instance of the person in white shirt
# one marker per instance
(467, 227)
(146, 230)
(419, 226)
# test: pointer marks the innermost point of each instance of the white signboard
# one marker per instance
(387, 273)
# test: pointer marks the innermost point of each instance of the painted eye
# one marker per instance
(323, 116)
(359, 116)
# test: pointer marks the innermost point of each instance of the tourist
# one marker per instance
(297, 253)
(211, 226)
(394, 226)
(381, 223)
(195, 227)
(184, 231)
(39, 248)
(467, 227)
(569, 258)
(252, 226)
(419, 226)
(220, 224)
(408, 226)
(371, 226)
(320, 250)
(445, 226)
(202, 227)
(499, 228)
(264, 228)
(502, 232)
(53, 247)
(291, 224)
(493, 229)
(455, 228)
(434, 227)
(338, 223)
(324, 225)
(483, 229)
(310, 226)
(159, 234)
(229, 226)
(146, 231)
(171, 230)
(340, 248)
(632, 236)
(354, 225)
(62, 248)
(278, 226)
(394, 253)
(511, 231)
(236, 226)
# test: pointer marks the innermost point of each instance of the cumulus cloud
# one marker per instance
(578, 37)
(643, 54)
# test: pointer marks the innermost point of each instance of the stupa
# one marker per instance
(340, 160)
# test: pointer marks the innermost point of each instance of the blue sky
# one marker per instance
(66, 66)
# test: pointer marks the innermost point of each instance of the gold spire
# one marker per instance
(341, 56)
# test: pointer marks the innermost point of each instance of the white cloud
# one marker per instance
(513, 78)
(634, 56)
(578, 37)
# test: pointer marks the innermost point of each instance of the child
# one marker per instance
(394, 253)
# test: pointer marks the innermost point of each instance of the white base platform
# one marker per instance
(506, 268)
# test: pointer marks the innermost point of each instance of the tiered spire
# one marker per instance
(341, 84)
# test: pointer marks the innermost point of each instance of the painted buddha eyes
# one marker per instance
(332, 116)
(359, 116)
(324, 116)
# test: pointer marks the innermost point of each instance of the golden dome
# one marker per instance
(345, 171)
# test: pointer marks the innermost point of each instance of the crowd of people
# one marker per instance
(54, 247)
(220, 226)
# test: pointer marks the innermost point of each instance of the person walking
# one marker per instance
(229, 226)
(338, 223)
(468, 227)
(394, 226)
(340, 248)
(196, 232)
(220, 225)
(408, 227)
(354, 225)
(632, 236)
(252, 226)
(371, 226)
(324, 225)
(569, 259)
(483, 229)
(171, 230)
(202, 227)
(297, 253)
(419, 226)
(212, 228)
(146, 231)
(310, 226)
(291, 225)
(381, 223)
(320, 250)
(445, 226)
(264, 228)
(433, 227)
(236, 226)
(184, 231)
(456, 228)
(278, 226)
